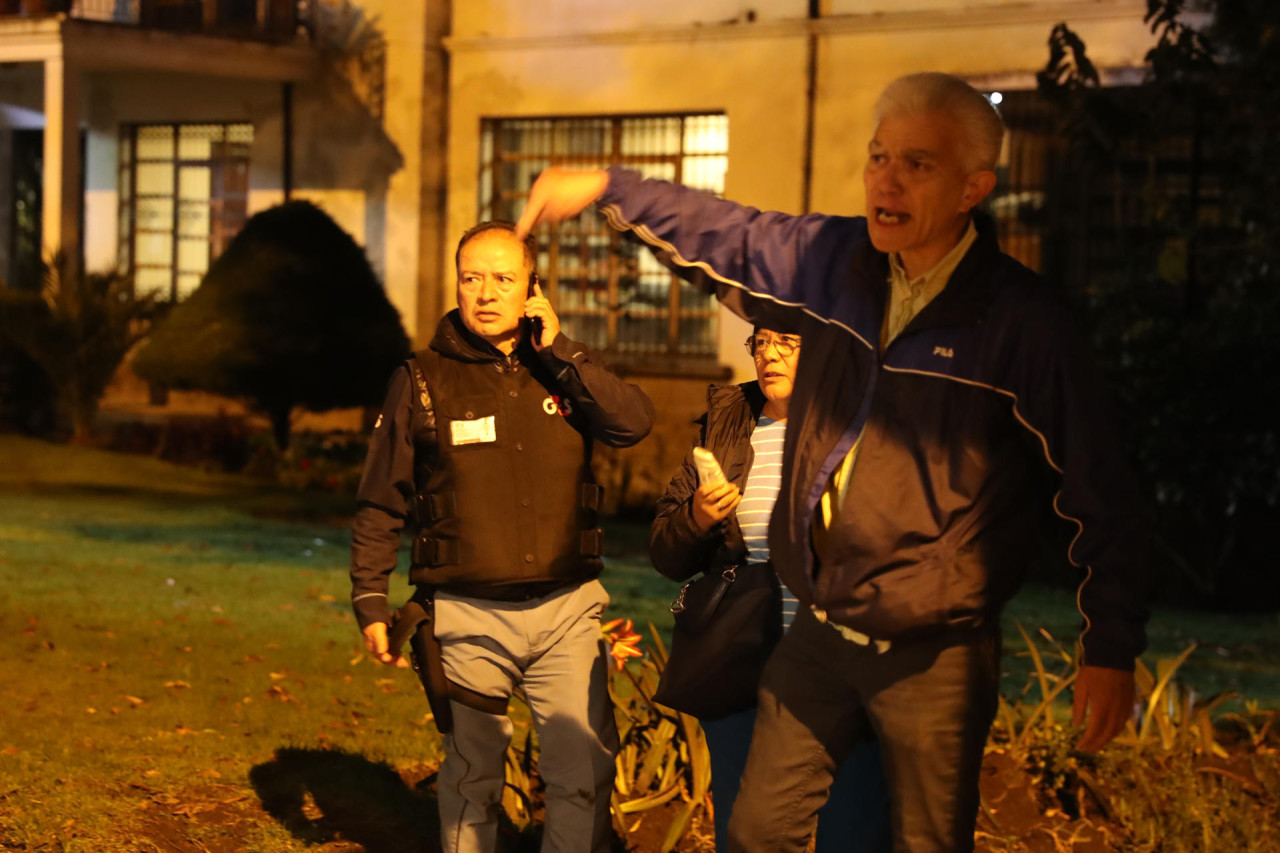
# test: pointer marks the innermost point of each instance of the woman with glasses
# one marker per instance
(720, 528)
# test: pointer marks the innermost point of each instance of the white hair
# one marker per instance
(981, 128)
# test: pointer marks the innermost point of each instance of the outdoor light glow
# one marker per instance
(996, 97)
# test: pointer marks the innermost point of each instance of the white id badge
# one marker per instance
(479, 431)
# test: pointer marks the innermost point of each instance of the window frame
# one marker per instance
(127, 215)
(496, 200)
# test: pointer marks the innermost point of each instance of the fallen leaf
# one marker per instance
(276, 676)
(135, 701)
(177, 685)
(279, 693)
(10, 750)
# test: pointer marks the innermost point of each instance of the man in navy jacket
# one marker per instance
(941, 400)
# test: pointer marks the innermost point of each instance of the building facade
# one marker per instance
(146, 131)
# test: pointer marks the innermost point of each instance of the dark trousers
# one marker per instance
(855, 818)
(929, 702)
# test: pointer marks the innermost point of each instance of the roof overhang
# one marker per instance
(102, 46)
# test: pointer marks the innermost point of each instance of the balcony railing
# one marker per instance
(341, 29)
(271, 20)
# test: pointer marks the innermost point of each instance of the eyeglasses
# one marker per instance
(784, 345)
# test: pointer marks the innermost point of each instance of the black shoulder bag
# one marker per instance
(727, 623)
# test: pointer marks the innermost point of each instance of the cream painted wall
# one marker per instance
(514, 18)
(866, 7)
(754, 82)
(403, 24)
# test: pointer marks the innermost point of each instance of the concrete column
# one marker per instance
(436, 275)
(60, 222)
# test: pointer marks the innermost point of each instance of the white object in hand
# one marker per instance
(708, 468)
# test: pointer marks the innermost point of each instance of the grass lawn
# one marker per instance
(177, 654)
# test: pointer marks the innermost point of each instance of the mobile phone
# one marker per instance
(709, 470)
(535, 323)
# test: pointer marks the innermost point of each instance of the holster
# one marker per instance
(416, 622)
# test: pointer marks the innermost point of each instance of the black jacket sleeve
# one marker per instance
(1060, 399)
(383, 501)
(620, 413)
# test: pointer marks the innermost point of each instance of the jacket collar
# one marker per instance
(724, 397)
(965, 299)
(454, 340)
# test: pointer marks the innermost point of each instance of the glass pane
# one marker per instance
(155, 179)
(149, 281)
(193, 219)
(706, 134)
(705, 173)
(187, 283)
(193, 256)
(578, 137)
(642, 136)
(195, 141)
(590, 330)
(155, 142)
(642, 331)
(697, 336)
(240, 134)
(153, 249)
(194, 183)
(692, 299)
(154, 214)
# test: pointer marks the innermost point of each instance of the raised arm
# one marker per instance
(737, 252)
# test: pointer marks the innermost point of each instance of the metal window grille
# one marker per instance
(1072, 216)
(184, 191)
(610, 293)
(259, 19)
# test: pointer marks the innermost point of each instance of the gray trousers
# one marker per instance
(929, 702)
(551, 646)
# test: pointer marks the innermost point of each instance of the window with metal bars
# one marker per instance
(1072, 216)
(610, 293)
(184, 192)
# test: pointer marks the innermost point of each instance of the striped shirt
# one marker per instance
(759, 496)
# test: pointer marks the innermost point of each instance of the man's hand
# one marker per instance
(1105, 696)
(538, 307)
(713, 502)
(375, 640)
(560, 194)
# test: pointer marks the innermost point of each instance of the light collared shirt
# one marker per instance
(907, 298)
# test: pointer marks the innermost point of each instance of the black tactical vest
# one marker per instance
(506, 501)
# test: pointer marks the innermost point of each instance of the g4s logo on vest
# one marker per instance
(555, 404)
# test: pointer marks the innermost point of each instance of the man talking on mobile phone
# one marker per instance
(483, 449)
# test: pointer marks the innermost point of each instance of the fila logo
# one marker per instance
(945, 352)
